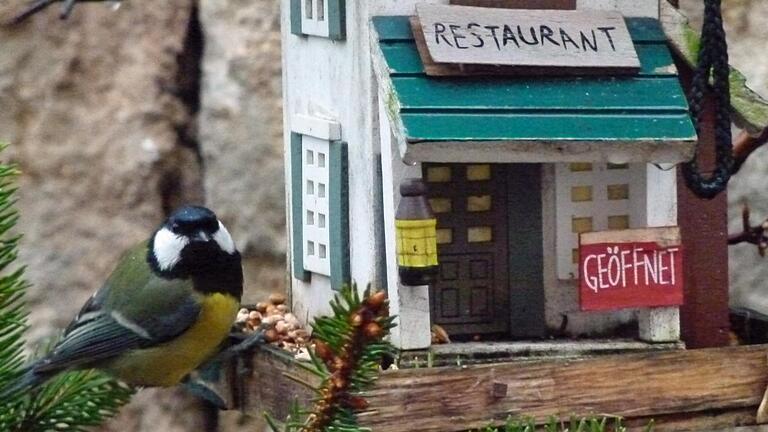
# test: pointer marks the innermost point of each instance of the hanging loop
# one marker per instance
(713, 62)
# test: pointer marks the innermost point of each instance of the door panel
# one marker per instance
(489, 248)
(472, 293)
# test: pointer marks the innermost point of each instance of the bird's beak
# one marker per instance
(201, 237)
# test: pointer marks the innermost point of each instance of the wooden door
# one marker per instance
(471, 295)
(482, 211)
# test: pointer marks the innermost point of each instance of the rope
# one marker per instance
(713, 61)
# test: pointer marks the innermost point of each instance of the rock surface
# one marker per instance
(240, 126)
(89, 110)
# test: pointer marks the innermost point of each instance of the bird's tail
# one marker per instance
(28, 380)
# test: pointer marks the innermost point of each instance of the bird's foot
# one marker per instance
(205, 390)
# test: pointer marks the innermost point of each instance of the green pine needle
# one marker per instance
(69, 402)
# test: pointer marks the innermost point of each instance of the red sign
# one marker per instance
(631, 268)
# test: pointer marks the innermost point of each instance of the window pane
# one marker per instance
(444, 236)
(618, 192)
(310, 248)
(323, 251)
(308, 9)
(440, 205)
(618, 222)
(617, 166)
(321, 220)
(581, 193)
(479, 234)
(321, 160)
(439, 174)
(310, 157)
(310, 187)
(478, 172)
(310, 217)
(581, 225)
(580, 166)
(321, 190)
(321, 10)
(479, 203)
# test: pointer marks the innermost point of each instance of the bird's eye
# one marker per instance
(175, 227)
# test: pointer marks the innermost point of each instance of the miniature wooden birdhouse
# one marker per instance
(547, 134)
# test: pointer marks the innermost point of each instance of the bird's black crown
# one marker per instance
(188, 220)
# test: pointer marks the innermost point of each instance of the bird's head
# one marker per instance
(191, 241)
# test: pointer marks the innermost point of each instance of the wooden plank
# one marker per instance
(704, 227)
(269, 389)
(578, 125)
(519, 4)
(632, 386)
(531, 38)
(528, 96)
(704, 421)
(403, 59)
(398, 28)
(526, 251)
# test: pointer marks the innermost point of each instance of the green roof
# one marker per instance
(648, 108)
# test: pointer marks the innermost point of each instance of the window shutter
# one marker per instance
(320, 209)
(337, 28)
(296, 17)
(339, 214)
(297, 209)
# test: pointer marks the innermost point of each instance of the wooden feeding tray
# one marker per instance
(680, 390)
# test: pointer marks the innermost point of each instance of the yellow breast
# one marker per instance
(167, 364)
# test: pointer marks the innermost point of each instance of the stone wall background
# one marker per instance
(113, 126)
(117, 117)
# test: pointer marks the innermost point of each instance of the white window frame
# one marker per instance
(315, 177)
(599, 208)
(311, 23)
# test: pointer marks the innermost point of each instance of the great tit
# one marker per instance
(165, 309)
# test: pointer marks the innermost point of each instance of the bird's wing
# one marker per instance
(134, 309)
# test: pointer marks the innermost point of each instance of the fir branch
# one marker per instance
(68, 402)
(349, 347)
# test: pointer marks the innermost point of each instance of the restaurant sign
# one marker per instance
(528, 38)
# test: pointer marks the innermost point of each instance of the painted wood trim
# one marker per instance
(337, 17)
(318, 127)
(526, 251)
(295, 17)
(338, 214)
(297, 248)
(548, 151)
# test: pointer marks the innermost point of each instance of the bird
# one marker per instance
(36, 6)
(166, 309)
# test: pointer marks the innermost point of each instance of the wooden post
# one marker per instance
(704, 228)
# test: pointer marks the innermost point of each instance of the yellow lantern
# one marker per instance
(416, 228)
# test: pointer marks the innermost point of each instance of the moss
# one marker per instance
(748, 105)
(393, 104)
(692, 45)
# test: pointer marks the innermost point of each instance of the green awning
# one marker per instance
(620, 118)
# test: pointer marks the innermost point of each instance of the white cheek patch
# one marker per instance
(168, 247)
(224, 240)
